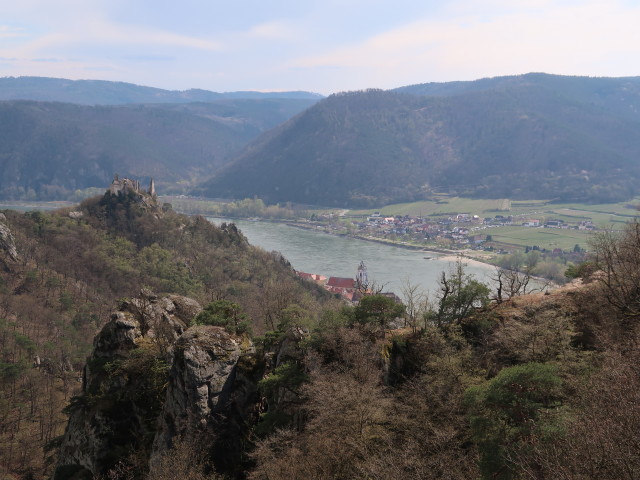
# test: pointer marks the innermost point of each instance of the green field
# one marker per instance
(442, 207)
(604, 216)
(30, 206)
(548, 238)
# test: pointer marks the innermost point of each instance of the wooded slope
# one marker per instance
(48, 150)
(533, 136)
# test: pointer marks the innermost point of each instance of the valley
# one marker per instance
(331, 255)
(184, 328)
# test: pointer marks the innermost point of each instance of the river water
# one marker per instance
(336, 256)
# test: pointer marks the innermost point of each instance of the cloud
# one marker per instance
(101, 32)
(92, 30)
(8, 31)
(150, 58)
(277, 30)
(321, 46)
(578, 38)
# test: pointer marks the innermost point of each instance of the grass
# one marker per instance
(27, 206)
(601, 214)
(548, 238)
(442, 207)
(605, 216)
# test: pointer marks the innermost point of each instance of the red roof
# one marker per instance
(341, 282)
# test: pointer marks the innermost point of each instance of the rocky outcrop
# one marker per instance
(148, 346)
(89, 435)
(123, 384)
(209, 364)
(8, 250)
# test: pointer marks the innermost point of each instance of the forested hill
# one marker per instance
(532, 136)
(62, 272)
(48, 149)
(525, 386)
(613, 94)
(101, 92)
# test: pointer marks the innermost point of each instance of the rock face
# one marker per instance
(7, 243)
(208, 364)
(87, 439)
(124, 409)
(153, 378)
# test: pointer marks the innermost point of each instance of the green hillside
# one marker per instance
(49, 150)
(61, 274)
(554, 138)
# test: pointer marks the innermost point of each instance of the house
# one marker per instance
(341, 282)
(554, 224)
(586, 225)
(531, 223)
(345, 287)
(477, 239)
(313, 277)
(392, 296)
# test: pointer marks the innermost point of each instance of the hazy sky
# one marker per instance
(322, 46)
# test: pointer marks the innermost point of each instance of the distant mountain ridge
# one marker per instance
(102, 92)
(524, 136)
(527, 136)
(607, 92)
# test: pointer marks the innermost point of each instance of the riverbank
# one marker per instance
(465, 259)
(475, 259)
(333, 254)
(447, 254)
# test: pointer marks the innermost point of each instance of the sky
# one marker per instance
(323, 46)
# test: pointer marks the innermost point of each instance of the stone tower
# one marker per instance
(152, 188)
(362, 279)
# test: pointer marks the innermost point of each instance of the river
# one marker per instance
(338, 256)
(335, 256)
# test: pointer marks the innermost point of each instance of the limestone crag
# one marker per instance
(289, 347)
(122, 380)
(201, 384)
(87, 438)
(209, 374)
(7, 243)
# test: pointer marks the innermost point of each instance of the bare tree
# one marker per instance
(416, 303)
(618, 256)
(511, 282)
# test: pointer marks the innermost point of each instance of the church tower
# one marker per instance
(362, 280)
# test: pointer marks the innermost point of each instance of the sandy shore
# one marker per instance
(466, 260)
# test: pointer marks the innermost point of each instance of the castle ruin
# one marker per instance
(125, 185)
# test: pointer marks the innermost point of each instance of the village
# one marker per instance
(440, 234)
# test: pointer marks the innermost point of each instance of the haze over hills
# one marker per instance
(529, 136)
(101, 92)
(618, 95)
(50, 149)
